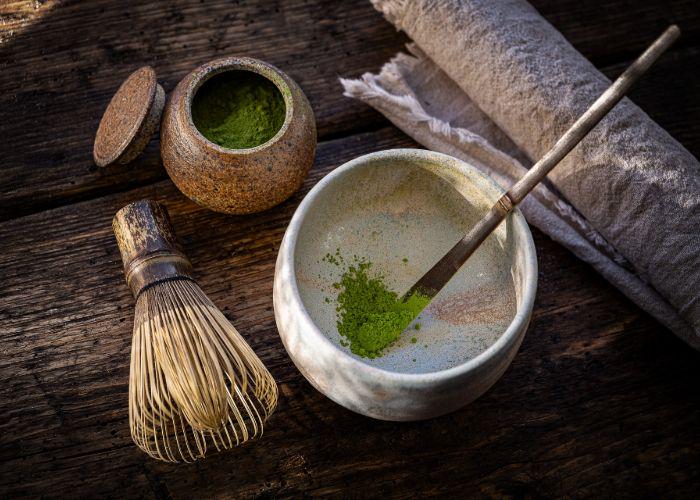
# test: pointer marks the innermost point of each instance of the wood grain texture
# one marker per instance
(60, 72)
(600, 399)
(62, 61)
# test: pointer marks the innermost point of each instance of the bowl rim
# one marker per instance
(202, 74)
(510, 335)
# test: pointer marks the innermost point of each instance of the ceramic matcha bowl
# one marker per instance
(401, 210)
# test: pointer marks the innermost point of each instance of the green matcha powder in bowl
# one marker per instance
(401, 210)
(372, 317)
(238, 110)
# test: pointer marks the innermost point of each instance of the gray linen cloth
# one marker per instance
(493, 83)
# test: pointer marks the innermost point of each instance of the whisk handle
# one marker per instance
(148, 246)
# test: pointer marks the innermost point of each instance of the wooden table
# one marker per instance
(601, 400)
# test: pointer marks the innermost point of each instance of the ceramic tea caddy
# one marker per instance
(233, 181)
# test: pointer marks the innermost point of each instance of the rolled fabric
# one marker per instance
(492, 82)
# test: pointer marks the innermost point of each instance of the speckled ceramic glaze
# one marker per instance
(237, 181)
(402, 210)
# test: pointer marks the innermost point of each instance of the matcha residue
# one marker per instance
(238, 109)
(371, 317)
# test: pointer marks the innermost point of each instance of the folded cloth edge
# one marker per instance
(545, 209)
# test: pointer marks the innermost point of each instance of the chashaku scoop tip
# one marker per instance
(437, 277)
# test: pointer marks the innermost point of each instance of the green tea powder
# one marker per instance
(238, 109)
(371, 317)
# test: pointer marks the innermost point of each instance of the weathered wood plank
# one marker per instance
(614, 31)
(600, 400)
(59, 71)
(16, 15)
(668, 94)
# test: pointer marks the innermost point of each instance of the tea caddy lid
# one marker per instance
(130, 119)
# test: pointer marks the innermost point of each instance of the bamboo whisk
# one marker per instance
(194, 380)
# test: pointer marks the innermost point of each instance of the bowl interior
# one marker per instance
(402, 213)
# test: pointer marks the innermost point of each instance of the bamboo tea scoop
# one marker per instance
(436, 278)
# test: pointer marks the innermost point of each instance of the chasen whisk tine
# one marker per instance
(194, 382)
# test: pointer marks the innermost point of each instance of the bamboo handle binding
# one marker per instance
(148, 246)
